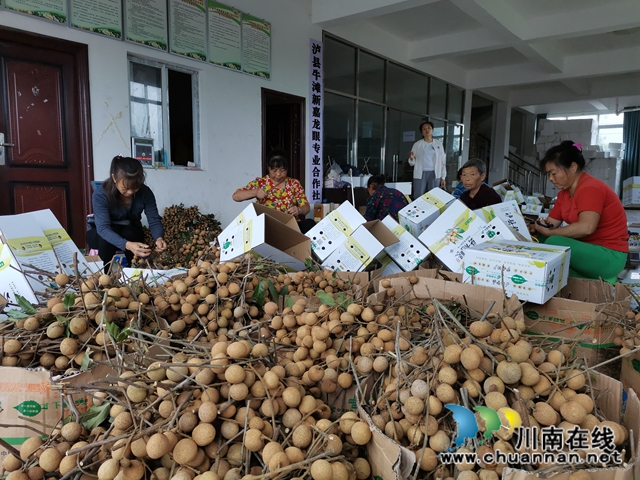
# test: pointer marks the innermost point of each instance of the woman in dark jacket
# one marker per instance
(117, 211)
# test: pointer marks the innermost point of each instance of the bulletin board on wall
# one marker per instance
(202, 30)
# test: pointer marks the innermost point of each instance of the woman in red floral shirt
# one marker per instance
(278, 191)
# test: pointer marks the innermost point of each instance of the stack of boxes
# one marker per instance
(600, 162)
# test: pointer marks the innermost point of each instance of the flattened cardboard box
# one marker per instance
(580, 312)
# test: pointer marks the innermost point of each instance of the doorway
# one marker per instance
(283, 128)
(46, 122)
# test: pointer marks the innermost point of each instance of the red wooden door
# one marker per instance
(44, 114)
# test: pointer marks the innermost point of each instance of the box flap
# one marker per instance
(284, 218)
(380, 231)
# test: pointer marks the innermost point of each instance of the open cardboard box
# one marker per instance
(366, 244)
(584, 311)
(610, 403)
(266, 236)
(330, 232)
(475, 297)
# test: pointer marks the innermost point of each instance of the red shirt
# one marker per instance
(594, 195)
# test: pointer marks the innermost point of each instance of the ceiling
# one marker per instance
(544, 56)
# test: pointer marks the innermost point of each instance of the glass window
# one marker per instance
(456, 104)
(370, 119)
(609, 135)
(402, 133)
(437, 98)
(339, 66)
(453, 148)
(406, 89)
(584, 117)
(338, 128)
(610, 119)
(371, 77)
(161, 95)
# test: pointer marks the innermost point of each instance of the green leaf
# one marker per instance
(115, 299)
(326, 299)
(113, 330)
(258, 294)
(273, 292)
(284, 291)
(96, 414)
(25, 305)
(288, 301)
(259, 267)
(69, 300)
(16, 315)
(86, 360)
(344, 301)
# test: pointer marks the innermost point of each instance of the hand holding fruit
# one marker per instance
(140, 249)
(161, 245)
(261, 194)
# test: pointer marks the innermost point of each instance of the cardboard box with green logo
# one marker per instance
(532, 271)
(584, 311)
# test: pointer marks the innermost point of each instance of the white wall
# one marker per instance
(230, 104)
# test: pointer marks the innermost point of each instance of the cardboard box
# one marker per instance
(255, 209)
(331, 231)
(27, 393)
(268, 238)
(509, 212)
(151, 277)
(450, 235)
(422, 212)
(529, 209)
(409, 252)
(321, 210)
(23, 244)
(363, 246)
(630, 372)
(532, 271)
(387, 267)
(585, 311)
(476, 297)
(631, 191)
(509, 192)
(613, 407)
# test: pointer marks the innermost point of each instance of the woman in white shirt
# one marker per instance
(429, 161)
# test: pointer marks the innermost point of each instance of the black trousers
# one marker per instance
(106, 250)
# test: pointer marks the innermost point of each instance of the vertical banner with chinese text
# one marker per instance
(315, 122)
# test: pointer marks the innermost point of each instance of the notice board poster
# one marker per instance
(98, 16)
(146, 22)
(256, 46)
(53, 10)
(188, 28)
(225, 36)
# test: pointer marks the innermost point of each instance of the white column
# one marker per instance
(500, 141)
(466, 128)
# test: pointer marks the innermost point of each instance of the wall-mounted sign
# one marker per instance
(146, 22)
(54, 10)
(188, 28)
(225, 36)
(98, 16)
(315, 121)
(256, 46)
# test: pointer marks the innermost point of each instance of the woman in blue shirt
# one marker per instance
(117, 211)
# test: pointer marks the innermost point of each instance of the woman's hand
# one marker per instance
(141, 250)
(260, 194)
(442, 183)
(161, 245)
(294, 210)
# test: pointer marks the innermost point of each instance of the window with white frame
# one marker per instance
(163, 104)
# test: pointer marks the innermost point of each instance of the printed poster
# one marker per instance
(225, 36)
(188, 28)
(54, 10)
(256, 46)
(146, 22)
(98, 16)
